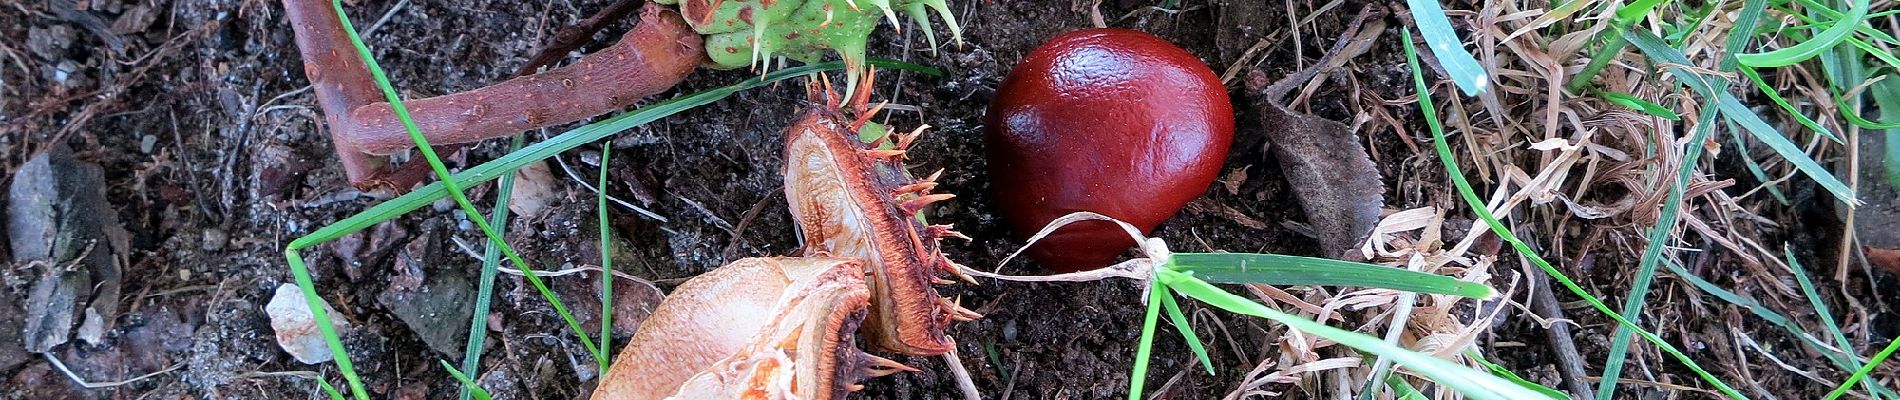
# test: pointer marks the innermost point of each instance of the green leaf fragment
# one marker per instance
(473, 389)
(1139, 376)
(1506, 373)
(1833, 35)
(1278, 269)
(1638, 104)
(1472, 383)
(1449, 49)
(1187, 331)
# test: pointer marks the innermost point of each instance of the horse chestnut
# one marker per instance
(1113, 121)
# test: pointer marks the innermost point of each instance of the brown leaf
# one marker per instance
(1323, 160)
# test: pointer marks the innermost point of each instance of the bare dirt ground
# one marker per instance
(215, 159)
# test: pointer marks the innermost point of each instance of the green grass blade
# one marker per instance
(996, 360)
(1139, 376)
(321, 315)
(1842, 27)
(330, 390)
(1680, 33)
(1878, 53)
(1657, 240)
(1862, 373)
(1403, 389)
(1768, 135)
(1638, 104)
(1463, 68)
(454, 190)
(1635, 10)
(1187, 331)
(1506, 373)
(467, 384)
(1741, 115)
(1854, 118)
(1745, 22)
(1278, 269)
(1892, 162)
(1838, 357)
(1762, 85)
(1613, 46)
(1821, 311)
(1828, 12)
(1886, 96)
(1754, 168)
(1470, 382)
(1613, 43)
(491, 267)
(1751, 305)
(1497, 227)
(606, 257)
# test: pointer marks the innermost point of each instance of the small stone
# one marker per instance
(501, 383)
(12, 320)
(234, 104)
(435, 304)
(63, 73)
(280, 170)
(134, 20)
(535, 189)
(49, 43)
(59, 221)
(296, 326)
(214, 239)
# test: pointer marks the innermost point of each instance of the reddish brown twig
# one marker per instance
(573, 37)
(338, 77)
(567, 40)
(651, 58)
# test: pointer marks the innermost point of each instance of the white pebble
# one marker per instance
(296, 326)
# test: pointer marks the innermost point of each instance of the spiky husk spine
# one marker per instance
(852, 198)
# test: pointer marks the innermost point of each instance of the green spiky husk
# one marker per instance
(742, 33)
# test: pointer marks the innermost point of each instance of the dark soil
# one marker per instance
(215, 160)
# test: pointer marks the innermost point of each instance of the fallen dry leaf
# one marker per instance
(1324, 163)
